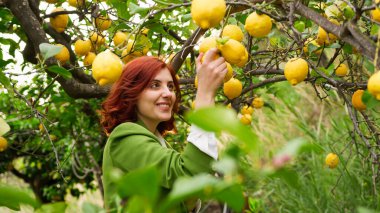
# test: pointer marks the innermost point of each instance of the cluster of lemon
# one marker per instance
(208, 14)
(106, 66)
(246, 111)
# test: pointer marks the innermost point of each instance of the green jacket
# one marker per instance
(131, 146)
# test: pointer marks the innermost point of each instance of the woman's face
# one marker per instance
(155, 103)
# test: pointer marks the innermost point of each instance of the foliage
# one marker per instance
(273, 165)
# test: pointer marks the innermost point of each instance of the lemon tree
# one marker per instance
(60, 58)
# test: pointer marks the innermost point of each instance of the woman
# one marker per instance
(139, 110)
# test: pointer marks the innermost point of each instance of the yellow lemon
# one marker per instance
(119, 39)
(374, 85)
(207, 43)
(63, 56)
(97, 39)
(207, 14)
(257, 103)
(102, 22)
(3, 144)
(341, 70)
(106, 68)
(76, 3)
(313, 42)
(246, 110)
(326, 38)
(232, 88)
(357, 102)
(82, 47)
(233, 52)
(233, 32)
(375, 14)
(246, 119)
(196, 81)
(41, 128)
(59, 22)
(89, 58)
(296, 70)
(230, 72)
(126, 56)
(258, 25)
(244, 59)
(332, 160)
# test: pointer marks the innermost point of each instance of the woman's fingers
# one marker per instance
(199, 59)
(210, 55)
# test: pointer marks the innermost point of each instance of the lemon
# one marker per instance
(106, 68)
(129, 57)
(232, 88)
(244, 59)
(144, 31)
(59, 22)
(3, 144)
(257, 103)
(82, 47)
(246, 110)
(313, 42)
(41, 128)
(341, 70)
(102, 22)
(258, 25)
(233, 32)
(246, 119)
(89, 58)
(332, 160)
(63, 56)
(97, 39)
(375, 14)
(230, 72)
(207, 44)
(196, 81)
(357, 102)
(207, 14)
(374, 85)
(233, 52)
(119, 39)
(76, 3)
(326, 38)
(296, 70)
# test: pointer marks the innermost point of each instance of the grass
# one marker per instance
(298, 112)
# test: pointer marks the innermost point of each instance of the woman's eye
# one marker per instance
(154, 85)
(171, 87)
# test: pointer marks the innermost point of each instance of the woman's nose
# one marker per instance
(166, 92)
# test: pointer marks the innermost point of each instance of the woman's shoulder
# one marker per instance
(127, 129)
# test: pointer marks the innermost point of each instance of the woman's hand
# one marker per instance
(210, 74)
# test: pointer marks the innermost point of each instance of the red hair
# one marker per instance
(120, 104)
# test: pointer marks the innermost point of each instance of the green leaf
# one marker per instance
(362, 209)
(143, 182)
(296, 146)
(134, 8)
(121, 7)
(218, 119)
(206, 186)
(334, 46)
(226, 165)
(232, 195)
(369, 100)
(13, 197)
(60, 71)
(48, 50)
(4, 127)
(300, 26)
(347, 49)
(59, 207)
(289, 176)
(91, 208)
(369, 65)
(4, 80)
